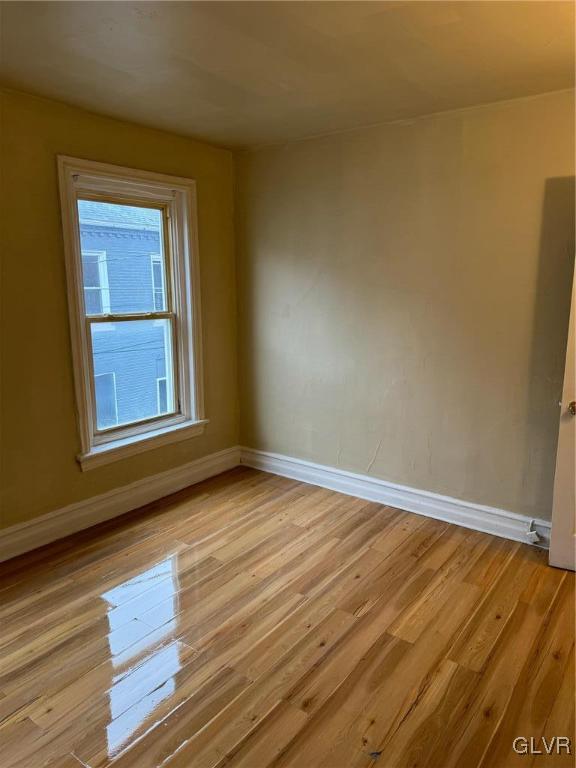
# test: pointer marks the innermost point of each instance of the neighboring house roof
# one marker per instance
(118, 216)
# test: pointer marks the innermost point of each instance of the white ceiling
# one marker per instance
(246, 73)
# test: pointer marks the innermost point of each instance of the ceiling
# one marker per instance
(247, 73)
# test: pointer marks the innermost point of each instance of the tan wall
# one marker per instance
(39, 433)
(404, 297)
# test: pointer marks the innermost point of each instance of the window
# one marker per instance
(157, 282)
(96, 290)
(132, 270)
(162, 395)
(106, 401)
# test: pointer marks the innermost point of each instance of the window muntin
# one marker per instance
(157, 295)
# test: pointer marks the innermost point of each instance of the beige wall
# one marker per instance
(39, 433)
(404, 297)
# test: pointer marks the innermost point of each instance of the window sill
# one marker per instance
(106, 453)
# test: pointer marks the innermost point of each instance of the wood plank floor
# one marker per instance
(256, 621)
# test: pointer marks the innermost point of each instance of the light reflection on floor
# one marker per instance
(143, 672)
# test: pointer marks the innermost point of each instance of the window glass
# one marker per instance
(127, 234)
(91, 271)
(158, 298)
(135, 351)
(96, 288)
(162, 395)
(93, 301)
(106, 406)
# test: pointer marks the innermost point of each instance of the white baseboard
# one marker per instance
(498, 522)
(84, 514)
(75, 517)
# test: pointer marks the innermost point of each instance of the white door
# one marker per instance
(563, 537)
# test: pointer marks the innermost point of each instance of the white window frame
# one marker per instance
(113, 374)
(177, 197)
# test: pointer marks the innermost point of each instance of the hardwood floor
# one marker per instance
(257, 621)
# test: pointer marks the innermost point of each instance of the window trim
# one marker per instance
(81, 178)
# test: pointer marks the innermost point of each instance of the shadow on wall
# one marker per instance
(550, 333)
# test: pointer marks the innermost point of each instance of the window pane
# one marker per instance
(118, 243)
(138, 353)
